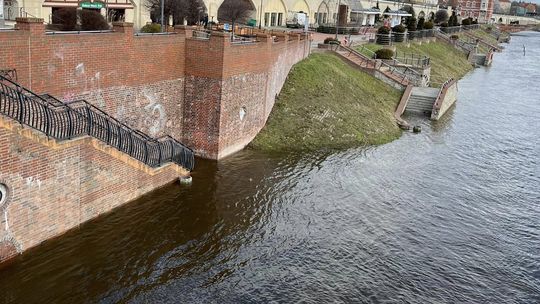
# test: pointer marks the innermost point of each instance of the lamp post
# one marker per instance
(260, 15)
(337, 19)
(1, 12)
(162, 15)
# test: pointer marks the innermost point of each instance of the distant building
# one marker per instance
(523, 9)
(115, 10)
(503, 7)
(482, 10)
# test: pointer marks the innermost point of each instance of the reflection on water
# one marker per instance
(448, 215)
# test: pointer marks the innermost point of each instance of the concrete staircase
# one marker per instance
(422, 100)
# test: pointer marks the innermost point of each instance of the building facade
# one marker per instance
(267, 13)
(115, 10)
(502, 6)
(481, 10)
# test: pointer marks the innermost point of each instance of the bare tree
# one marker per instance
(190, 10)
(235, 11)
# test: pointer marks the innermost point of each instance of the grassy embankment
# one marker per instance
(326, 103)
(482, 34)
(446, 61)
(485, 35)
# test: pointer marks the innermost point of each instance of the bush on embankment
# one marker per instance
(326, 103)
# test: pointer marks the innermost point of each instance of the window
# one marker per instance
(279, 19)
(273, 19)
(266, 18)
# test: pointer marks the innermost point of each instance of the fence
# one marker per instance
(420, 34)
(412, 59)
(409, 75)
(69, 120)
(389, 39)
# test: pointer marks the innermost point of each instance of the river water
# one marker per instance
(451, 215)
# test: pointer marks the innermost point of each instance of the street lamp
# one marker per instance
(337, 19)
(1, 12)
(260, 15)
(162, 15)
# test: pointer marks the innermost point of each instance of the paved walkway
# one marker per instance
(354, 39)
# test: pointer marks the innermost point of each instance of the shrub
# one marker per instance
(399, 28)
(475, 21)
(444, 24)
(384, 54)
(454, 37)
(331, 40)
(383, 30)
(489, 28)
(151, 28)
(411, 24)
(452, 21)
(420, 25)
(67, 18)
(428, 25)
(466, 21)
(441, 16)
(92, 21)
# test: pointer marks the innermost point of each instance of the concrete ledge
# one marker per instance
(54, 144)
(401, 108)
(446, 98)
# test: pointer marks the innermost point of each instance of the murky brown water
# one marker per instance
(449, 215)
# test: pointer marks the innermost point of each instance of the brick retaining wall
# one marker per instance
(211, 94)
(55, 186)
(192, 89)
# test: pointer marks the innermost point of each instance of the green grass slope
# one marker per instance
(326, 103)
(446, 61)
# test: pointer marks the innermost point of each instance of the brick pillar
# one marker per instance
(184, 30)
(34, 25)
(123, 27)
(202, 94)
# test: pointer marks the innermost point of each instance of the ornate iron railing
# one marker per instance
(62, 121)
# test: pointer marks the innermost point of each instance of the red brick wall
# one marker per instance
(242, 77)
(192, 89)
(138, 79)
(55, 187)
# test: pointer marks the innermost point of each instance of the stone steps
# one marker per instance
(422, 100)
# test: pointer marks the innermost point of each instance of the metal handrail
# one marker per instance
(412, 59)
(372, 53)
(201, 34)
(436, 104)
(391, 69)
(78, 32)
(61, 121)
(466, 46)
(26, 14)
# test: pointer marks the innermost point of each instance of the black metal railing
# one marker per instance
(415, 60)
(61, 121)
(9, 74)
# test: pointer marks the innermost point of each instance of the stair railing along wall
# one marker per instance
(65, 121)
